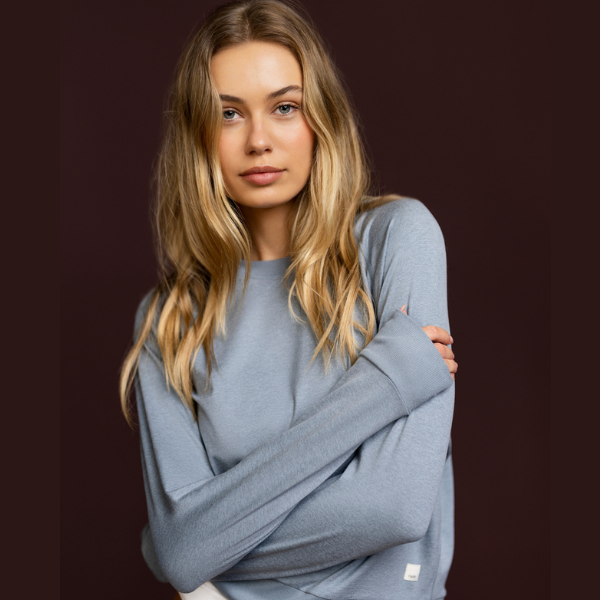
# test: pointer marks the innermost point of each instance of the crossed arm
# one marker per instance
(279, 511)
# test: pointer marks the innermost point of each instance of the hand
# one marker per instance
(440, 337)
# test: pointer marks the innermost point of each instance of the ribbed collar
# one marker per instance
(266, 269)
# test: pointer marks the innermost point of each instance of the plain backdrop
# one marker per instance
(453, 102)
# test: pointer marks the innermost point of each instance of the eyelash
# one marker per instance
(291, 104)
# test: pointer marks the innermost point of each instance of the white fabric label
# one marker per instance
(412, 572)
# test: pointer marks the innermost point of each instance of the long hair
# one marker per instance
(200, 235)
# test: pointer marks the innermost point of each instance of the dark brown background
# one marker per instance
(453, 99)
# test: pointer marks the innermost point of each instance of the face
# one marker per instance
(260, 85)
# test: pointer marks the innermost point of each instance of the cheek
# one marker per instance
(302, 143)
(226, 154)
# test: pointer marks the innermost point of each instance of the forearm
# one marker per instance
(384, 498)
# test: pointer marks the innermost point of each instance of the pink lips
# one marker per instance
(262, 175)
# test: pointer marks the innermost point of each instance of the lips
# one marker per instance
(263, 169)
(262, 175)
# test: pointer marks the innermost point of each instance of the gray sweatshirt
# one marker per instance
(295, 484)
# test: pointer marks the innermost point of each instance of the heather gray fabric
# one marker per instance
(300, 484)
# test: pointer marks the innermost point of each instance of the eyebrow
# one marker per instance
(275, 94)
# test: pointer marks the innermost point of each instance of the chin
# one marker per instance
(262, 200)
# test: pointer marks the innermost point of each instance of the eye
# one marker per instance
(286, 109)
(229, 114)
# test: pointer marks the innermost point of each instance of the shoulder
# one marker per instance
(405, 214)
(404, 226)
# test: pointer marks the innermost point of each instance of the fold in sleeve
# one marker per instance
(201, 525)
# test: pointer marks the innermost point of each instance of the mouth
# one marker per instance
(262, 175)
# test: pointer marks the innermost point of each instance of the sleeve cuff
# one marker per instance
(404, 352)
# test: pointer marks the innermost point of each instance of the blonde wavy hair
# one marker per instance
(200, 235)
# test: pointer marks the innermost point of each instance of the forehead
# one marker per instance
(253, 69)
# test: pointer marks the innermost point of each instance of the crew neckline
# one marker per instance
(266, 269)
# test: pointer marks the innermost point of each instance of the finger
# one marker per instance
(403, 309)
(444, 350)
(452, 366)
(438, 334)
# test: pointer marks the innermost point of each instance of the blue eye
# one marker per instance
(287, 109)
(232, 112)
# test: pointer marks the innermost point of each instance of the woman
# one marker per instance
(275, 475)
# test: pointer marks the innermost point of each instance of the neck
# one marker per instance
(269, 230)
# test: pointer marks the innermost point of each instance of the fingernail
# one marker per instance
(403, 307)
(451, 340)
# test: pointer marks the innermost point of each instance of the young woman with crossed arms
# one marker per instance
(270, 474)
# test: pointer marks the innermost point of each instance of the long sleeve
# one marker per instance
(400, 466)
(202, 524)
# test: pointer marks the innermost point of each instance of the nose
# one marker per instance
(259, 140)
